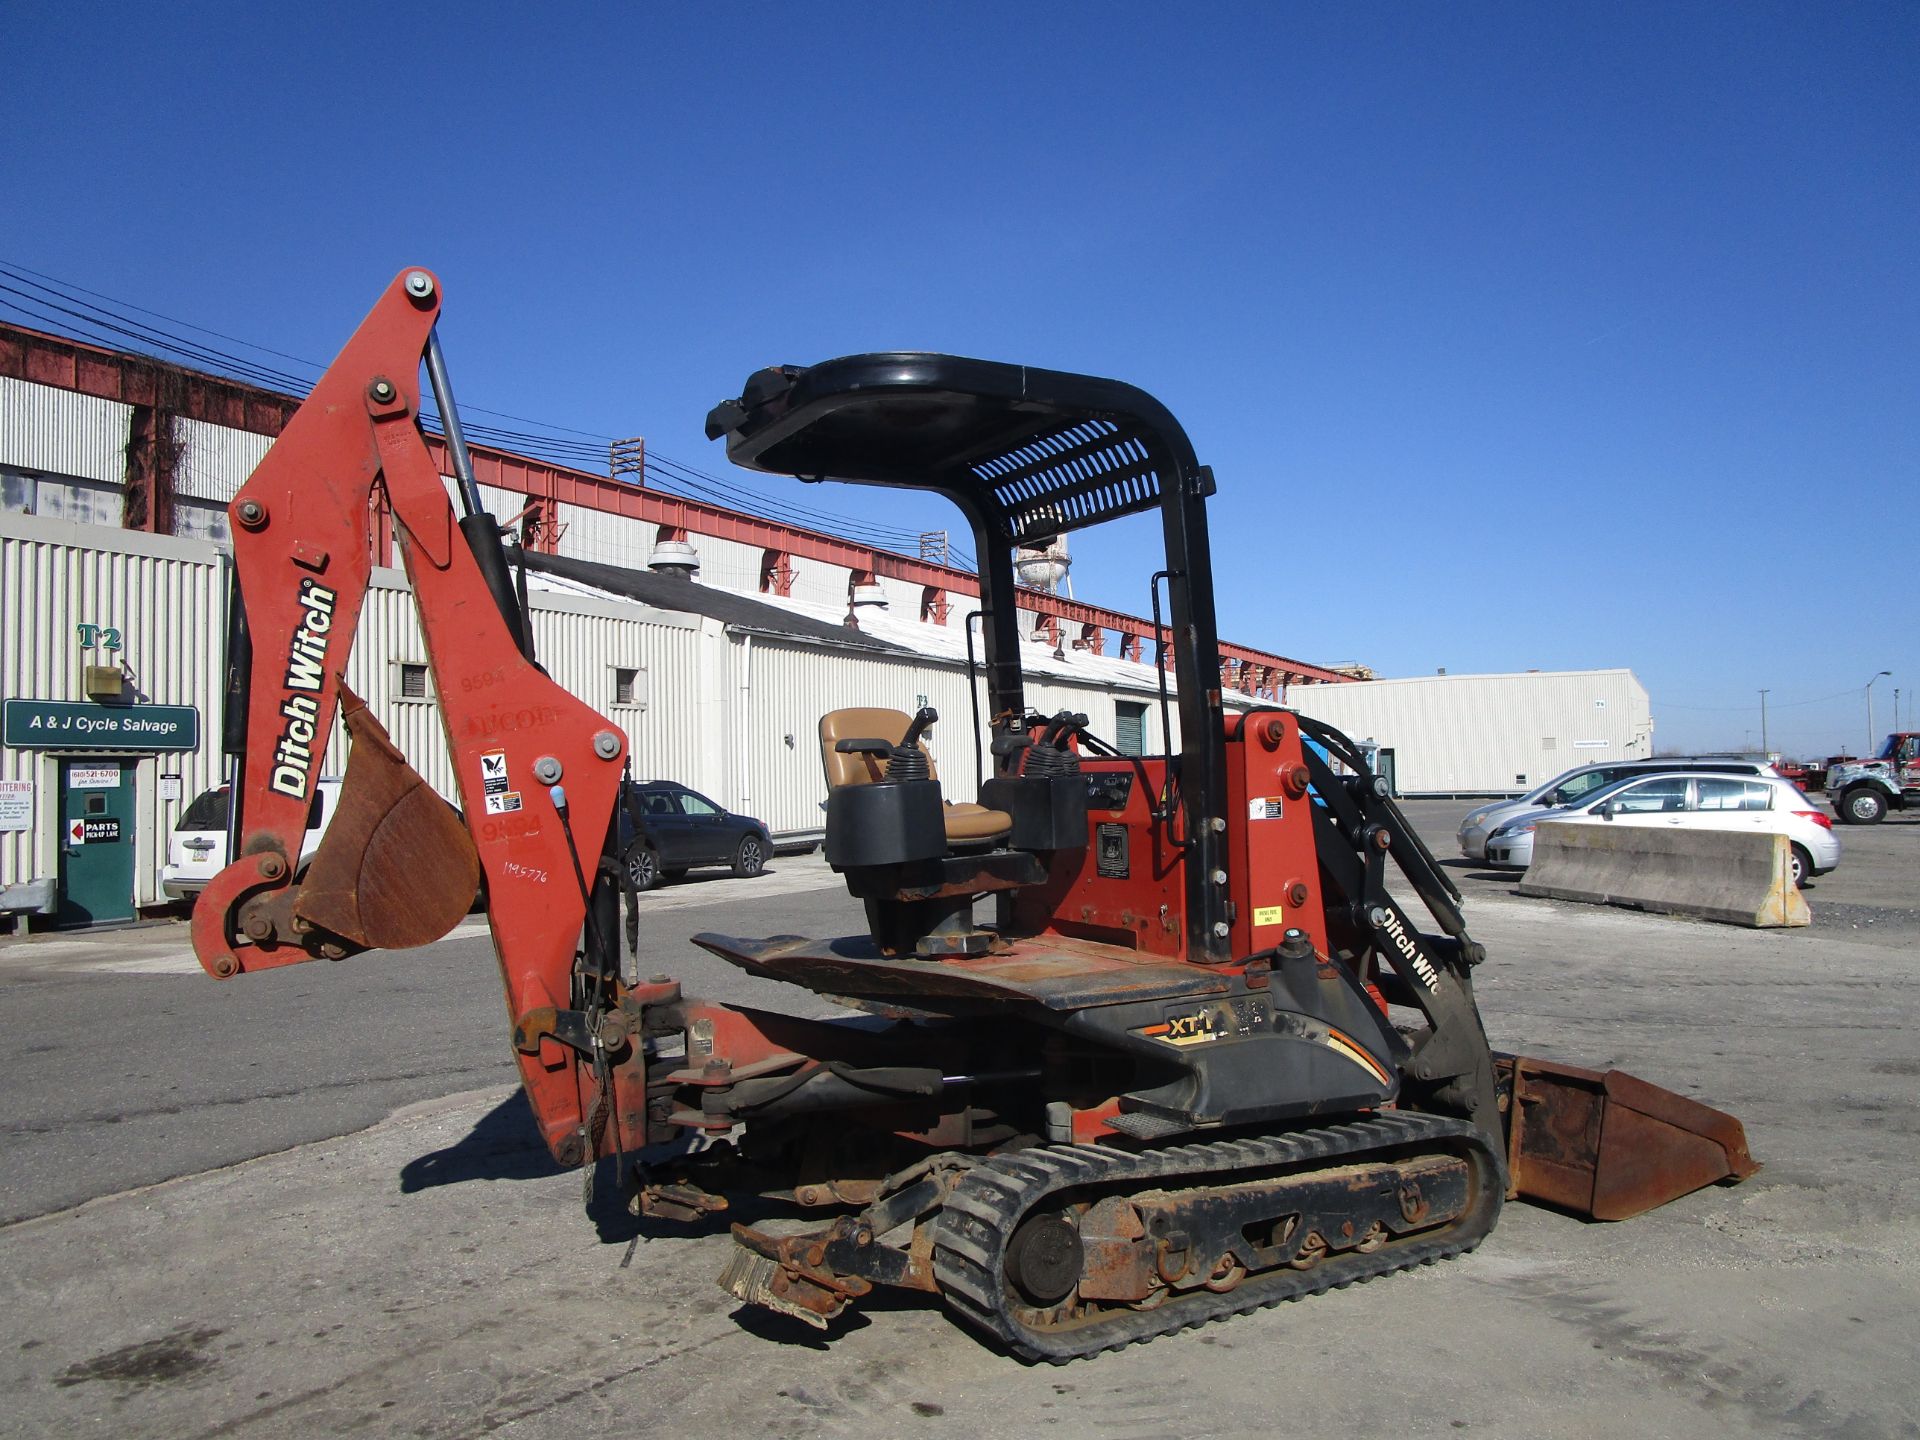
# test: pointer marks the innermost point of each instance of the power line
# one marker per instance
(1771, 704)
(171, 320)
(48, 300)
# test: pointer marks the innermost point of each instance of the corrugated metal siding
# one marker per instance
(1490, 732)
(818, 582)
(389, 635)
(672, 736)
(903, 597)
(728, 564)
(166, 597)
(606, 539)
(218, 459)
(63, 431)
(794, 685)
(503, 505)
(718, 710)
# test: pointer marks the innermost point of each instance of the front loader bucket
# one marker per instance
(396, 867)
(1610, 1146)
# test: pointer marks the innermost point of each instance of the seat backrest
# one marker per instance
(862, 722)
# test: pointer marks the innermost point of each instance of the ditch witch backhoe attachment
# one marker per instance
(1147, 1039)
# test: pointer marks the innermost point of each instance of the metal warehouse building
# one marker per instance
(1489, 734)
(115, 473)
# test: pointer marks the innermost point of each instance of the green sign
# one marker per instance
(70, 725)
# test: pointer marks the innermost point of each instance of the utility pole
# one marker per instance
(1868, 753)
(1763, 723)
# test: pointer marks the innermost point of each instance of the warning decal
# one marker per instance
(1270, 915)
(493, 772)
(1264, 807)
(493, 784)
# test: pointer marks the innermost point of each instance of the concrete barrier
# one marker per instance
(1742, 877)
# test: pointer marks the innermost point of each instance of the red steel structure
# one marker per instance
(149, 384)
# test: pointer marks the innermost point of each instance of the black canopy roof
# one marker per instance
(1027, 453)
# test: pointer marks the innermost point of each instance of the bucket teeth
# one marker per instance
(751, 1278)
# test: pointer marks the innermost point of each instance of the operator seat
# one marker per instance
(966, 824)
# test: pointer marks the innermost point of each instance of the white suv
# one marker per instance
(197, 850)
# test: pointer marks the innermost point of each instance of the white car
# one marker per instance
(1688, 801)
(197, 849)
(1583, 782)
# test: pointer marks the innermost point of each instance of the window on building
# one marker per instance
(413, 681)
(1130, 727)
(201, 520)
(84, 502)
(626, 684)
(16, 492)
(60, 497)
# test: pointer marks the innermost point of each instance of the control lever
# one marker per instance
(1060, 727)
(923, 720)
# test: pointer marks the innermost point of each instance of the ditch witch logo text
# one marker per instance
(293, 753)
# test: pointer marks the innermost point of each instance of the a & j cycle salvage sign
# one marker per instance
(70, 725)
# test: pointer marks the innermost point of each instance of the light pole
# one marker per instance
(1870, 731)
(1763, 724)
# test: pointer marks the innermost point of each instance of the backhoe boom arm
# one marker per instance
(537, 769)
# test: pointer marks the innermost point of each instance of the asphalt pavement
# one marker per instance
(125, 1064)
(322, 1262)
(1874, 893)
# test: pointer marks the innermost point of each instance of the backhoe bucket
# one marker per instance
(1610, 1146)
(396, 867)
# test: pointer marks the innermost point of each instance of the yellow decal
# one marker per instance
(1270, 915)
(1194, 1029)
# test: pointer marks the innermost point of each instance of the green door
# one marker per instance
(96, 840)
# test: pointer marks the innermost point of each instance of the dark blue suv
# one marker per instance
(680, 829)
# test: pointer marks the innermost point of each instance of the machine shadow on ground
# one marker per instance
(1473, 870)
(503, 1145)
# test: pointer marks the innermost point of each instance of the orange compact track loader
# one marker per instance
(1142, 1040)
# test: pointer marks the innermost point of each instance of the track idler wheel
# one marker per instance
(1045, 1258)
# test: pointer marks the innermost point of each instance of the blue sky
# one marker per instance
(1518, 336)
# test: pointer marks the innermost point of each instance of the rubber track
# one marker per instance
(971, 1232)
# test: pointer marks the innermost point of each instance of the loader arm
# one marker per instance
(537, 770)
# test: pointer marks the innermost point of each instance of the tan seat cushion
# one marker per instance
(976, 822)
(965, 822)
